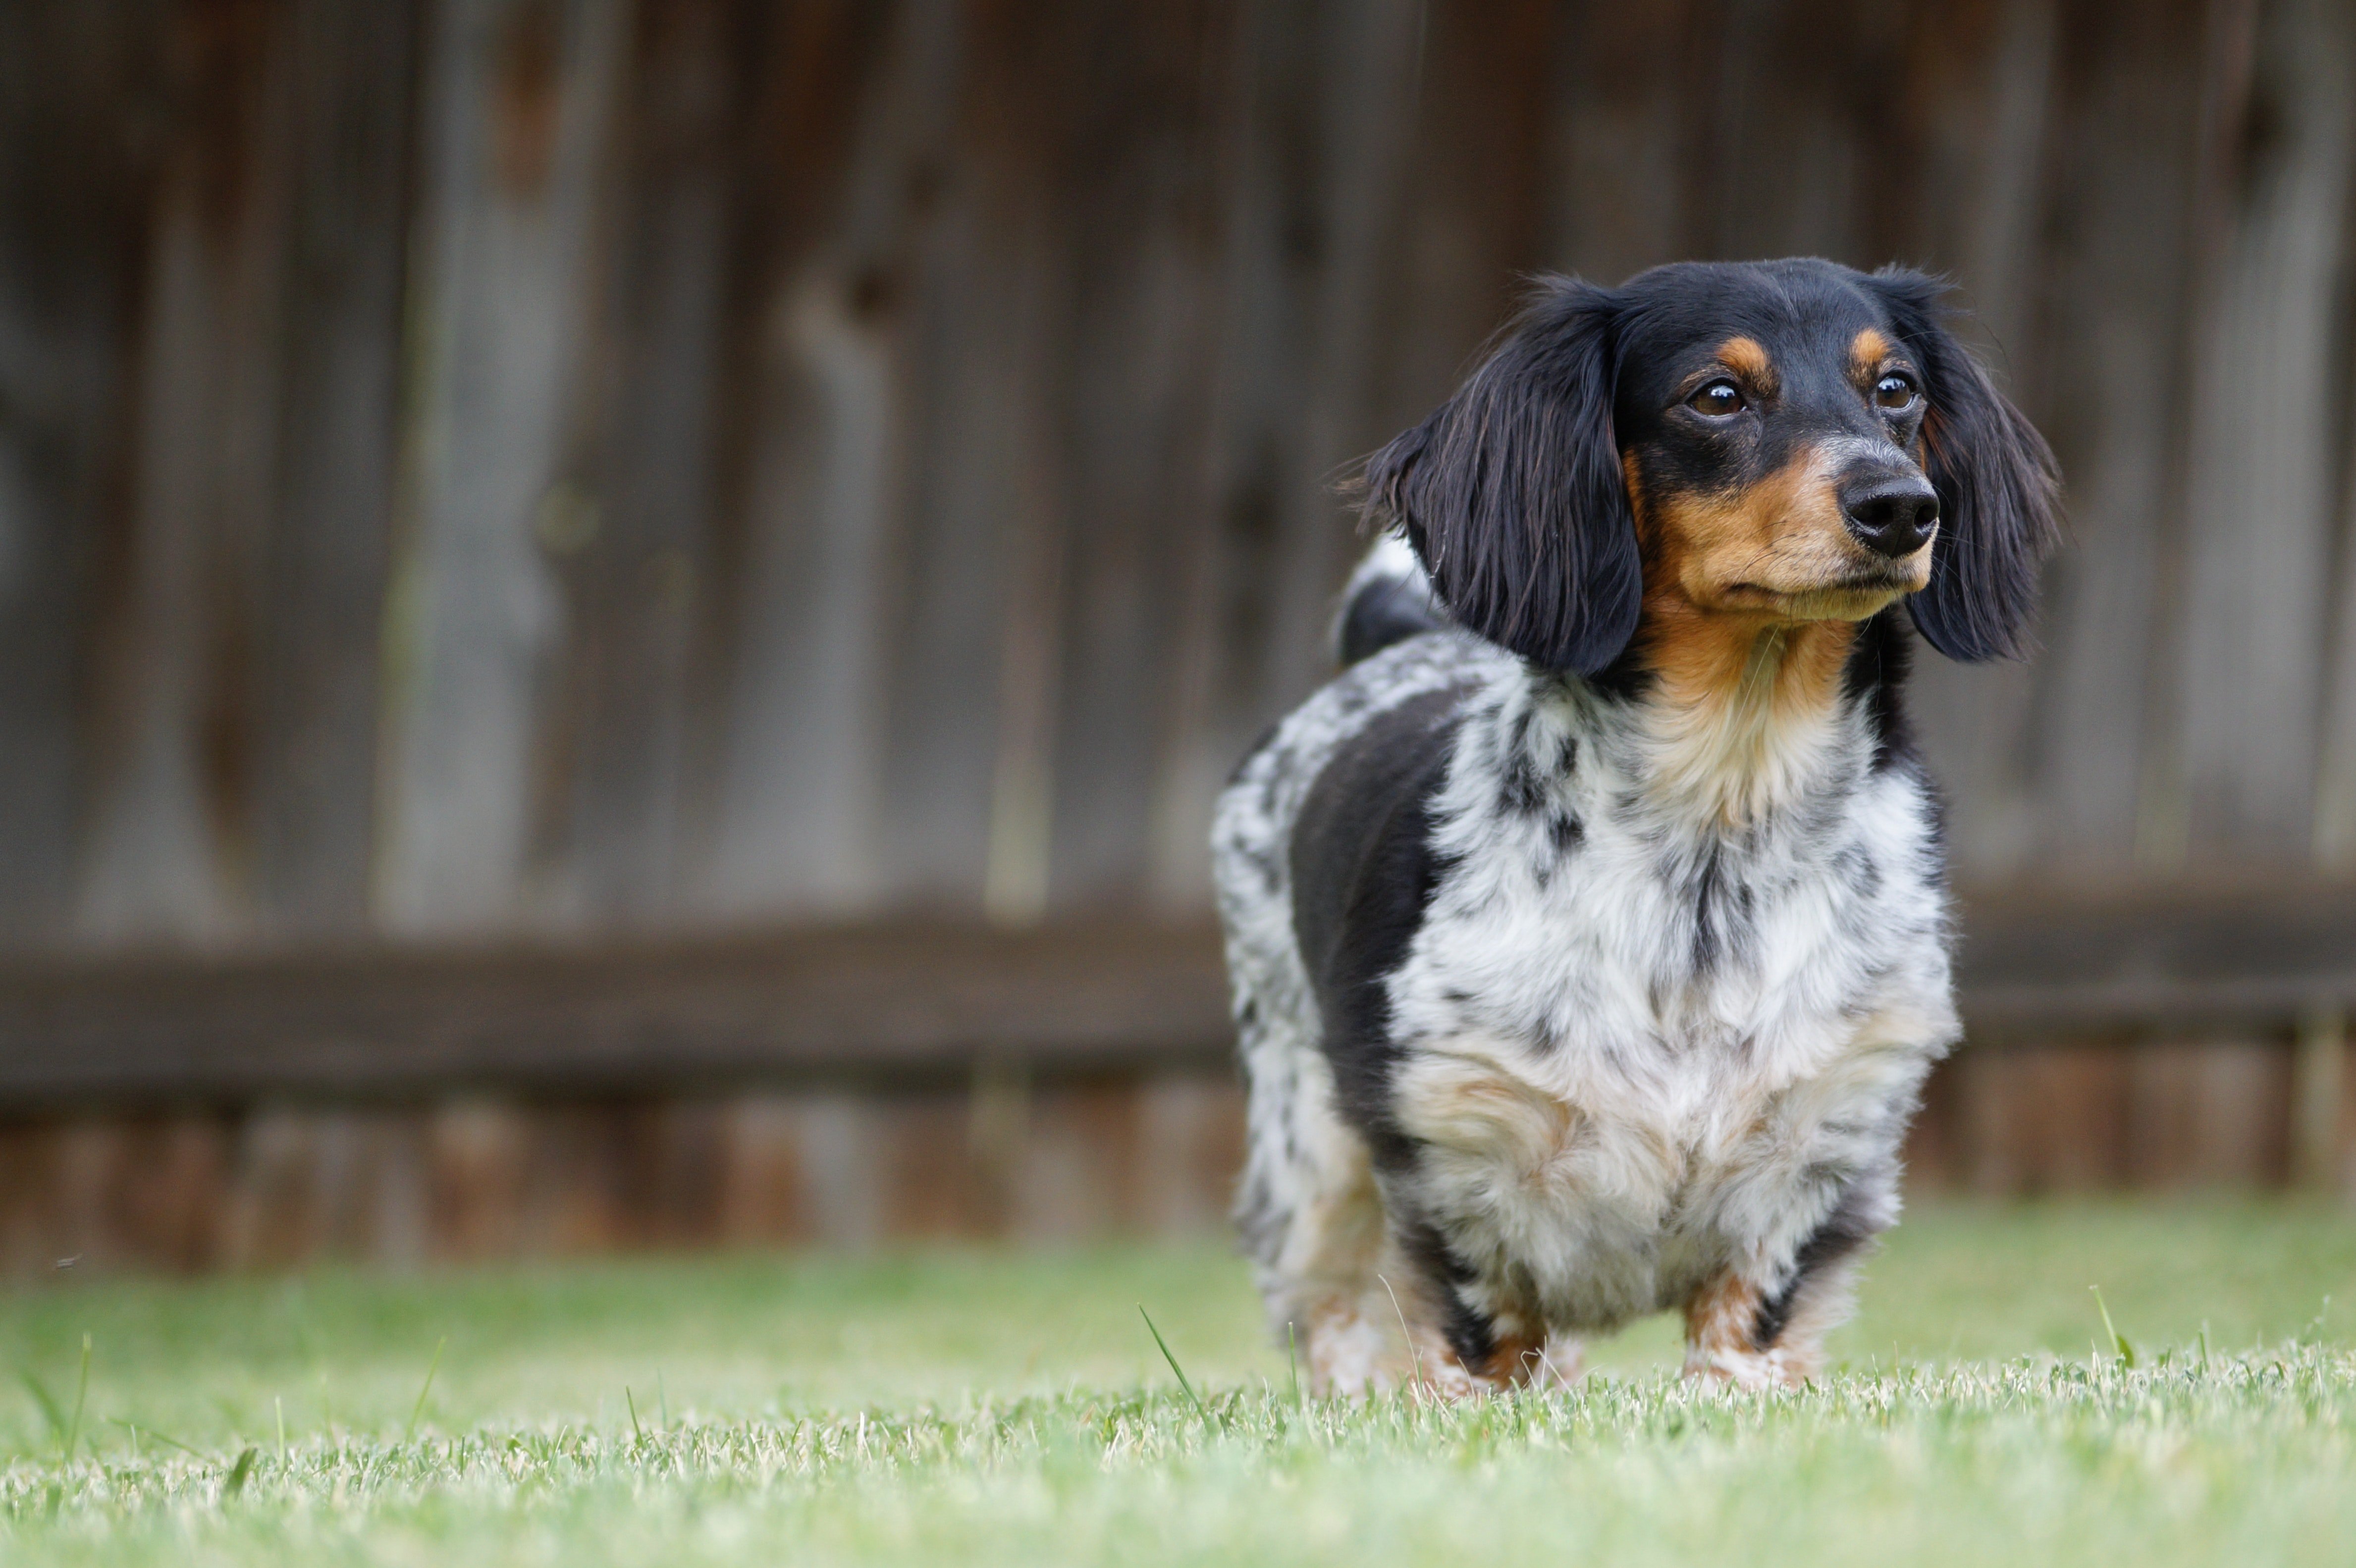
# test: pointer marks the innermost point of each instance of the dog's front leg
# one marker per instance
(1722, 1335)
(1740, 1332)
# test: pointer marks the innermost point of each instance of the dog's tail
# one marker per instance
(1389, 601)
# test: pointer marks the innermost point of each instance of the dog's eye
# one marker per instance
(1718, 399)
(1894, 391)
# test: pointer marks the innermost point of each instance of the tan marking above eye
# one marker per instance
(1746, 358)
(1867, 350)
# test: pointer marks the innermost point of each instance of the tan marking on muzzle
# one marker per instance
(1783, 535)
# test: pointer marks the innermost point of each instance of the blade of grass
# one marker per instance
(1293, 1359)
(1406, 1333)
(52, 1411)
(2118, 1340)
(82, 1398)
(419, 1408)
(239, 1473)
(165, 1438)
(636, 1430)
(1199, 1408)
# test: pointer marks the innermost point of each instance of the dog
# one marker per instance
(1589, 934)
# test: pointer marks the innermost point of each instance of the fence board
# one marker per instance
(2208, 1113)
(1968, 199)
(2266, 456)
(846, 138)
(2123, 172)
(167, 833)
(1626, 153)
(521, 99)
(971, 632)
(633, 593)
(1227, 592)
(918, 1003)
(74, 195)
(1475, 220)
(1329, 99)
(325, 554)
(1145, 235)
(896, 1002)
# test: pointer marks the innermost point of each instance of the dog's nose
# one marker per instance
(1891, 514)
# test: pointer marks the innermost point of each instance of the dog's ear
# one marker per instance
(1998, 489)
(1511, 493)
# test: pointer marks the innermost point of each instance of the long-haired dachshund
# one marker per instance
(1589, 932)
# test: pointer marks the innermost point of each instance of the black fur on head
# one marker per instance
(1512, 492)
(1998, 488)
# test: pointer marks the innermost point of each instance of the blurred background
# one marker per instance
(618, 621)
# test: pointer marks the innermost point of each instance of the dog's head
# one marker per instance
(1776, 441)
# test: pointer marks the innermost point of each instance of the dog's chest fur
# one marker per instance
(1603, 1033)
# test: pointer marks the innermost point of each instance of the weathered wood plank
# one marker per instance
(322, 573)
(1022, 98)
(1318, 118)
(73, 216)
(1146, 235)
(965, 783)
(1225, 592)
(1976, 160)
(2264, 460)
(165, 833)
(899, 1002)
(2208, 1113)
(634, 593)
(845, 147)
(2173, 956)
(1476, 202)
(866, 1004)
(2319, 1101)
(2225, 73)
(290, 1184)
(519, 99)
(1624, 189)
(1331, 127)
(2062, 1120)
(1800, 119)
(2118, 274)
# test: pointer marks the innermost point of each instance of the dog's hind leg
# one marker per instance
(1315, 1224)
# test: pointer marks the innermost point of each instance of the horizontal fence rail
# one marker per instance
(907, 1003)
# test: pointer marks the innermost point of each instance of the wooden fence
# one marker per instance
(523, 517)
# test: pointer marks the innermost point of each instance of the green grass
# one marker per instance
(991, 1406)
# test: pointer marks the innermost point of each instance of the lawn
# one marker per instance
(1007, 1407)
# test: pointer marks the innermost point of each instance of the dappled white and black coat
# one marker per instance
(1589, 934)
(1574, 1039)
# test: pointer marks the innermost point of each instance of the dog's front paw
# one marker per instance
(1753, 1371)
